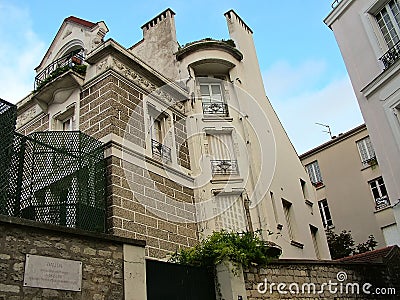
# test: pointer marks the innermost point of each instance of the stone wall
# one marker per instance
(41, 123)
(101, 256)
(182, 149)
(292, 274)
(108, 106)
(139, 206)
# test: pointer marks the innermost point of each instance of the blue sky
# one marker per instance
(304, 74)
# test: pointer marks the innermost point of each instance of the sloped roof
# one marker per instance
(80, 21)
(378, 255)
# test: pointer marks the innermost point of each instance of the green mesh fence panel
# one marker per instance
(56, 177)
(8, 117)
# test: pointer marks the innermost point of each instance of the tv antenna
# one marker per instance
(326, 131)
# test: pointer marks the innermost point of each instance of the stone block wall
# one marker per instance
(342, 276)
(40, 124)
(101, 256)
(182, 150)
(147, 206)
(108, 105)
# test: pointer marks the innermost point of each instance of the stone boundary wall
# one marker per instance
(329, 273)
(101, 256)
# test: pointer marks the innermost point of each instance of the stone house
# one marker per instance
(192, 144)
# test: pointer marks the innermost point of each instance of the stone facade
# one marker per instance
(182, 149)
(102, 260)
(132, 190)
(106, 107)
(40, 123)
(287, 272)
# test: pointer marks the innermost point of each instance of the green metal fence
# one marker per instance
(55, 177)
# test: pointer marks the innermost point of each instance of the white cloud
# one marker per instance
(333, 104)
(20, 52)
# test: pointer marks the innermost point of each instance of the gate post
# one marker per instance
(230, 283)
(134, 273)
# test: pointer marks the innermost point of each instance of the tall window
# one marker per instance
(212, 99)
(315, 173)
(379, 193)
(388, 19)
(157, 124)
(287, 209)
(223, 157)
(366, 150)
(325, 213)
(230, 213)
(314, 233)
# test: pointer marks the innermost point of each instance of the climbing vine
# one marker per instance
(241, 249)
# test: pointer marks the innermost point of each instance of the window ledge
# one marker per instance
(382, 209)
(308, 202)
(297, 244)
(227, 180)
(216, 119)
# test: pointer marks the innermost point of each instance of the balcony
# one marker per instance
(51, 177)
(391, 56)
(215, 109)
(224, 167)
(72, 60)
(160, 151)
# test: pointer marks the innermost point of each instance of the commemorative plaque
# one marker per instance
(52, 273)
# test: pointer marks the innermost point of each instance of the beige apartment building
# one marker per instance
(368, 34)
(192, 143)
(350, 189)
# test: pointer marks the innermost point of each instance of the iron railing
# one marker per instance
(382, 202)
(52, 177)
(161, 151)
(224, 167)
(215, 108)
(391, 56)
(56, 68)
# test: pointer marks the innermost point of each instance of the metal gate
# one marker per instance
(169, 281)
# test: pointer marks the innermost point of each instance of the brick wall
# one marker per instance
(101, 257)
(41, 124)
(131, 191)
(182, 150)
(107, 106)
(319, 272)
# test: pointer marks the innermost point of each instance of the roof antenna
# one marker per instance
(327, 131)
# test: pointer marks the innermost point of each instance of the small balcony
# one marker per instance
(391, 56)
(72, 61)
(160, 151)
(215, 109)
(382, 202)
(224, 167)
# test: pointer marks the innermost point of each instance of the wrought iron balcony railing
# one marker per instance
(382, 202)
(224, 167)
(215, 108)
(160, 151)
(59, 66)
(391, 56)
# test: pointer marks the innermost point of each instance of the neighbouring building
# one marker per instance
(192, 144)
(350, 189)
(368, 34)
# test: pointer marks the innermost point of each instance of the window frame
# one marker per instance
(313, 170)
(368, 149)
(382, 193)
(393, 21)
(323, 207)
